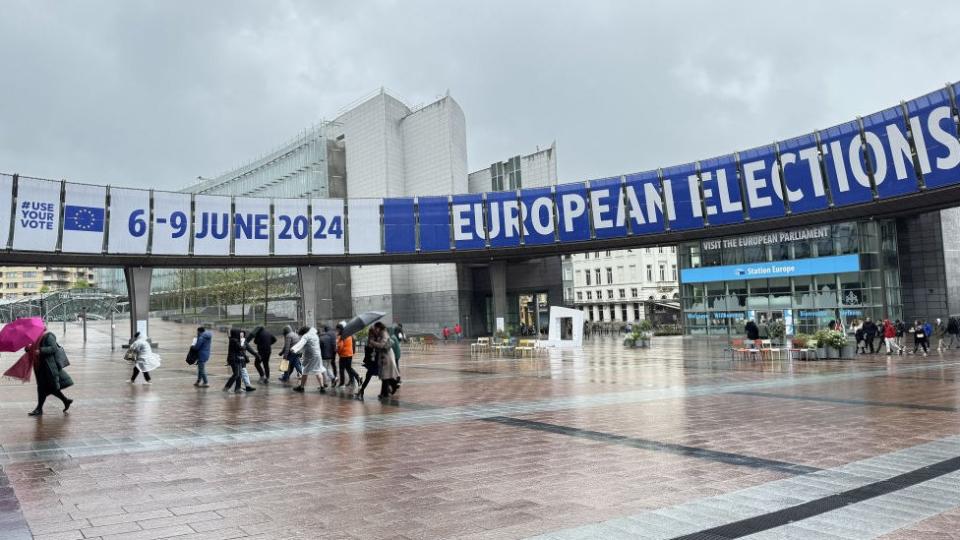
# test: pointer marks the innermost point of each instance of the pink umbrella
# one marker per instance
(20, 333)
(21, 370)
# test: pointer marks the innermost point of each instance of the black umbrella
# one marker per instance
(360, 322)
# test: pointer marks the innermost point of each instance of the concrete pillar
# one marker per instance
(498, 285)
(308, 278)
(138, 291)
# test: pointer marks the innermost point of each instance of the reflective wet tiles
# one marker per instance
(677, 441)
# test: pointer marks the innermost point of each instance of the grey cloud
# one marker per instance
(156, 93)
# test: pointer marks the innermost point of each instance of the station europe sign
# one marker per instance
(895, 152)
(836, 264)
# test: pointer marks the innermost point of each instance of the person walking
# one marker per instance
(309, 346)
(953, 332)
(389, 373)
(246, 347)
(446, 334)
(145, 360)
(264, 341)
(870, 332)
(237, 360)
(920, 338)
(458, 331)
(290, 338)
(752, 330)
(370, 363)
(890, 337)
(202, 344)
(49, 363)
(328, 353)
(901, 328)
(939, 332)
(348, 376)
(857, 328)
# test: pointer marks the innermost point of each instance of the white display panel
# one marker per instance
(171, 223)
(327, 227)
(84, 218)
(364, 223)
(251, 226)
(291, 227)
(37, 217)
(129, 221)
(211, 225)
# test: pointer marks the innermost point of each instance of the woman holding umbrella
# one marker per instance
(48, 367)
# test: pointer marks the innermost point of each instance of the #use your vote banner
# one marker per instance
(37, 215)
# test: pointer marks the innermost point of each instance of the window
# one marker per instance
(579, 295)
(663, 273)
(596, 254)
(29, 274)
(674, 271)
(636, 311)
(633, 292)
(613, 313)
(600, 313)
(659, 249)
(589, 295)
(596, 272)
(608, 254)
(496, 176)
(609, 294)
(623, 293)
(649, 272)
(673, 249)
(588, 277)
(11, 285)
(623, 312)
(609, 276)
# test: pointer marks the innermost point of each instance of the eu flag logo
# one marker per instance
(83, 218)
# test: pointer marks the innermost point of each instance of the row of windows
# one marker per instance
(660, 249)
(597, 274)
(599, 313)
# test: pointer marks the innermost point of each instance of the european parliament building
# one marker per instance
(382, 147)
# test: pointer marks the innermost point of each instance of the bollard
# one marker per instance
(113, 346)
(83, 315)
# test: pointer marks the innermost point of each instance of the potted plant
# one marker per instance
(821, 342)
(776, 331)
(645, 329)
(835, 342)
(800, 341)
(630, 341)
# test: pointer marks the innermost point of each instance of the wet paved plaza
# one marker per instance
(673, 442)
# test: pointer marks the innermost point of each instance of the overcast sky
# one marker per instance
(154, 94)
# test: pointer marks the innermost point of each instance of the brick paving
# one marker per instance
(603, 442)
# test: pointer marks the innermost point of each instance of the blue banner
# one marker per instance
(574, 220)
(646, 203)
(681, 193)
(843, 159)
(802, 177)
(935, 137)
(888, 148)
(776, 269)
(761, 183)
(503, 214)
(608, 208)
(469, 231)
(537, 212)
(399, 226)
(721, 190)
(434, 223)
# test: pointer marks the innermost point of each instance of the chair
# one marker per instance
(768, 350)
(734, 348)
(524, 347)
(482, 345)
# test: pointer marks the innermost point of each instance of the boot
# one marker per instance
(36, 412)
(67, 405)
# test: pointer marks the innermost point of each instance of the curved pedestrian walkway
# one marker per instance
(671, 442)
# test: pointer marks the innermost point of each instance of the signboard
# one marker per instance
(36, 224)
(779, 237)
(364, 223)
(608, 208)
(211, 225)
(399, 226)
(328, 232)
(251, 226)
(776, 269)
(291, 227)
(84, 218)
(129, 221)
(171, 223)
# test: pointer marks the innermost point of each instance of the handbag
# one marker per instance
(284, 365)
(130, 355)
(60, 357)
(192, 356)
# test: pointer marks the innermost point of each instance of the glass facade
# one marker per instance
(780, 278)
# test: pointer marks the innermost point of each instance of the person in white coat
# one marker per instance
(145, 360)
(309, 348)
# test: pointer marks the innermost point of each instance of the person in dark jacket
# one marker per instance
(753, 331)
(202, 346)
(51, 378)
(328, 354)
(237, 360)
(953, 332)
(370, 362)
(920, 338)
(870, 332)
(290, 338)
(263, 339)
(901, 330)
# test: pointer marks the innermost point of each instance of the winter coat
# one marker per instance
(888, 330)
(952, 326)
(388, 362)
(753, 331)
(309, 346)
(345, 347)
(290, 338)
(939, 330)
(328, 345)
(50, 378)
(927, 329)
(870, 329)
(263, 339)
(202, 346)
(901, 328)
(147, 360)
(370, 360)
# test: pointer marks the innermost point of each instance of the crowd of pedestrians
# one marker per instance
(872, 338)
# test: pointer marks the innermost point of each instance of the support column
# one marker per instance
(498, 285)
(308, 279)
(138, 291)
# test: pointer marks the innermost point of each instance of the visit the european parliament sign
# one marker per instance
(894, 153)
